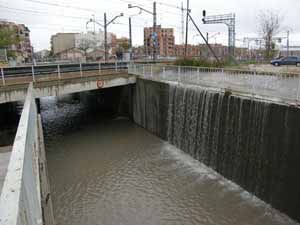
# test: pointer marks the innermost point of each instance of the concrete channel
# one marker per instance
(252, 142)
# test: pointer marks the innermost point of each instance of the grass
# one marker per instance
(204, 62)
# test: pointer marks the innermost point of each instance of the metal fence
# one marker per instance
(278, 86)
(20, 201)
(59, 71)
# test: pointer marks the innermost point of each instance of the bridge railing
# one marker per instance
(20, 200)
(27, 74)
(277, 86)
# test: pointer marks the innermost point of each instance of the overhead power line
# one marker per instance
(61, 5)
(41, 13)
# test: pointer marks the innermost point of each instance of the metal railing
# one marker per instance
(277, 86)
(34, 73)
(20, 201)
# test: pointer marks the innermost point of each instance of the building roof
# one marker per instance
(71, 50)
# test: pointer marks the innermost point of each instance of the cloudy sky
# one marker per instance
(47, 17)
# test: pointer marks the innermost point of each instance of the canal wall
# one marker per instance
(251, 142)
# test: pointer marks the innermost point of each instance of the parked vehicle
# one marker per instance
(290, 60)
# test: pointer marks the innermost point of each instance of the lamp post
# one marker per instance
(154, 34)
(106, 24)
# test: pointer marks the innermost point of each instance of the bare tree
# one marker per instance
(86, 44)
(269, 26)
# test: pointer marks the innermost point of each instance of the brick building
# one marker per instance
(192, 50)
(165, 41)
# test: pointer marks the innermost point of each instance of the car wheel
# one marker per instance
(298, 64)
(276, 64)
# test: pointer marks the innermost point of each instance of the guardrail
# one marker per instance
(20, 201)
(283, 86)
(36, 72)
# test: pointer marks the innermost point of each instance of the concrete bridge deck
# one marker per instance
(52, 85)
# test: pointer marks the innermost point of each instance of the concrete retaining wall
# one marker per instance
(254, 143)
(20, 201)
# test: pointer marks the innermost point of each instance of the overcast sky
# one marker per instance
(47, 17)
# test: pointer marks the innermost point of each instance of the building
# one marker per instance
(292, 51)
(72, 54)
(138, 52)
(87, 42)
(96, 55)
(22, 50)
(192, 50)
(120, 44)
(42, 55)
(165, 41)
(62, 41)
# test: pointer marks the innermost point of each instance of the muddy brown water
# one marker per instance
(109, 171)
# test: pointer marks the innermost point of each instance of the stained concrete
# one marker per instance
(4, 160)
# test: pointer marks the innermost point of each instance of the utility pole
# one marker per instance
(207, 37)
(106, 24)
(130, 39)
(94, 24)
(182, 24)
(154, 34)
(288, 43)
(186, 26)
(205, 40)
(155, 37)
(105, 39)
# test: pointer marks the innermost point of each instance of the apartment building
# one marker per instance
(165, 41)
(22, 50)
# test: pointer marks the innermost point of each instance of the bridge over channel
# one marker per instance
(25, 197)
(55, 80)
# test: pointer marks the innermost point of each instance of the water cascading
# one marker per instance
(254, 143)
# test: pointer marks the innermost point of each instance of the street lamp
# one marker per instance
(106, 24)
(154, 35)
(93, 21)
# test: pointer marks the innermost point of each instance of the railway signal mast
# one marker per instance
(229, 20)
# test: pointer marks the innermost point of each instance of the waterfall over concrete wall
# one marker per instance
(253, 143)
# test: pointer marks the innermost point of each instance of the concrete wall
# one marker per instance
(254, 143)
(25, 188)
(62, 41)
(150, 106)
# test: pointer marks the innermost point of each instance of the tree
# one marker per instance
(86, 44)
(269, 26)
(9, 37)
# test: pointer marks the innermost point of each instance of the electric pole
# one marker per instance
(288, 43)
(94, 24)
(106, 24)
(207, 37)
(182, 24)
(186, 27)
(155, 37)
(205, 40)
(105, 39)
(130, 40)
